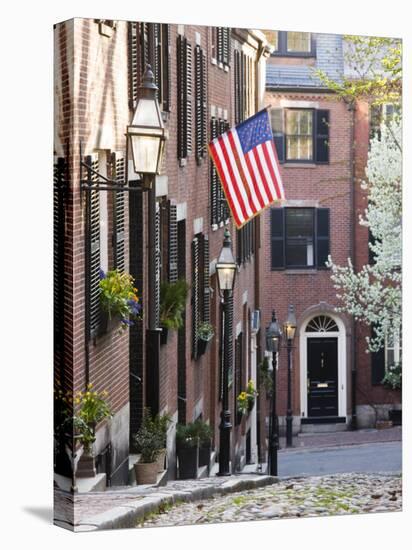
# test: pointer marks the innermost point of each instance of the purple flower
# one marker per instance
(127, 322)
(134, 307)
(102, 274)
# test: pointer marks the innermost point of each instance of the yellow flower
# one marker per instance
(89, 386)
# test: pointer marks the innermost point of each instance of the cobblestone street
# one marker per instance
(299, 497)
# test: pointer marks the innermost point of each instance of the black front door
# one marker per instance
(322, 380)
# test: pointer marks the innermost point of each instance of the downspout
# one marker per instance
(352, 253)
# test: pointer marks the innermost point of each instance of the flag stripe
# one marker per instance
(237, 180)
(268, 177)
(259, 201)
(257, 184)
(275, 165)
(254, 157)
(226, 162)
(229, 192)
(269, 168)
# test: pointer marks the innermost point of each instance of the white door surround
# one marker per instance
(340, 334)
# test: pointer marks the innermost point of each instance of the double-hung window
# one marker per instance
(301, 135)
(299, 238)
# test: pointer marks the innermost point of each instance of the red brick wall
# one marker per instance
(327, 186)
(91, 109)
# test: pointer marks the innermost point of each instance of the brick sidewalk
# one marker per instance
(338, 439)
(75, 510)
(121, 507)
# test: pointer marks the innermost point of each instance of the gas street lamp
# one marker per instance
(289, 328)
(146, 132)
(147, 136)
(226, 274)
(273, 336)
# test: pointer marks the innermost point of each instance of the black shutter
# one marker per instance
(206, 280)
(133, 63)
(172, 243)
(166, 81)
(189, 98)
(58, 250)
(118, 174)
(144, 46)
(199, 103)
(322, 236)
(322, 136)
(277, 238)
(238, 374)
(195, 295)
(276, 118)
(225, 45)
(184, 94)
(230, 312)
(219, 32)
(237, 86)
(204, 105)
(377, 363)
(214, 177)
(222, 207)
(228, 35)
(93, 267)
(158, 264)
(153, 53)
(242, 87)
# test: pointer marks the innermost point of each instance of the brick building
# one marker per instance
(322, 146)
(208, 79)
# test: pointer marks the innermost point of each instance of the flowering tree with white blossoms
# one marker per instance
(374, 295)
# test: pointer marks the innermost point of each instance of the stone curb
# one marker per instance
(127, 516)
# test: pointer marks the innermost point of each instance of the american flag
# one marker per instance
(246, 161)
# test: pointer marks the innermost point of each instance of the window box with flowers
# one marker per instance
(119, 300)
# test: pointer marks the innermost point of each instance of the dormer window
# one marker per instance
(298, 42)
(292, 44)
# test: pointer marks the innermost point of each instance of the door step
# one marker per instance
(323, 425)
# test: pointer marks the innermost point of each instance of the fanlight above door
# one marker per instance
(322, 323)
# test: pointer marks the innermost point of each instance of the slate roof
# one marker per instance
(329, 58)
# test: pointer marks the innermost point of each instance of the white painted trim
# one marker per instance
(181, 211)
(342, 367)
(285, 103)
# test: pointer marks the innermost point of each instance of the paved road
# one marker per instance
(369, 458)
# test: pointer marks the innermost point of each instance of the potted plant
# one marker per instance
(63, 431)
(205, 332)
(148, 443)
(93, 408)
(204, 433)
(172, 305)
(187, 447)
(118, 299)
(162, 423)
